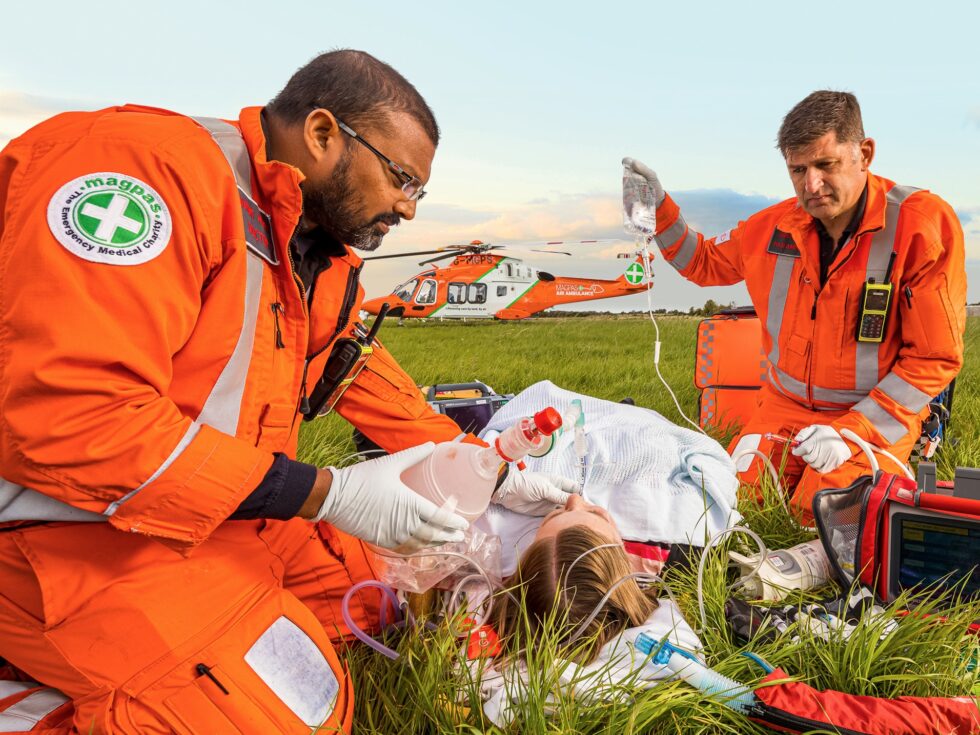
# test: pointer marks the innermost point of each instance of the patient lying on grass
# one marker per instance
(574, 560)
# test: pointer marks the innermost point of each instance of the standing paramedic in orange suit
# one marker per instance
(170, 289)
(844, 353)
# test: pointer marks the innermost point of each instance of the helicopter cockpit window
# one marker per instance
(456, 293)
(477, 293)
(427, 292)
(405, 291)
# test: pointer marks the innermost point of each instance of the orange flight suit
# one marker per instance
(155, 345)
(818, 371)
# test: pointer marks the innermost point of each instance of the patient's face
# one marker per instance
(579, 513)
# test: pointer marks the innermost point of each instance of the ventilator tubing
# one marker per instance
(684, 665)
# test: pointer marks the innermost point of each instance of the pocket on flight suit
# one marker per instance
(62, 590)
(275, 426)
(390, 383)
(267, 668)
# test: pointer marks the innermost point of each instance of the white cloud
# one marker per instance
(20, 111)
(970, 219)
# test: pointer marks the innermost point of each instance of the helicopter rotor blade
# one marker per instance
(439, 257)
(547, 243)
(414, 252)
(552, 252)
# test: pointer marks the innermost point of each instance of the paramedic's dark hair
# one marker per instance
(357, 88)
(818, 114)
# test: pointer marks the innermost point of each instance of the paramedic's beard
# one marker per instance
(335, 208)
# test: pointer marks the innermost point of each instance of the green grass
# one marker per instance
(613, 358)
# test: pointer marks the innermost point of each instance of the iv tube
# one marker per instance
(580, 442)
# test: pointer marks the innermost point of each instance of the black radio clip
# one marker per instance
(348, 356)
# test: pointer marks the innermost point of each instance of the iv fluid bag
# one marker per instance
(639, 209)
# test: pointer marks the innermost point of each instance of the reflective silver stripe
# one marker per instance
(19, 503)
(8, 687)
(669, 237)
(672, 234)
(882, 246)
(796, 389)
(688, 248)
(232, 145)
(846, 398)
(29, 711)
(903, 393)
(789, 384)
(887, 425)
(223, 406)
(781, 276)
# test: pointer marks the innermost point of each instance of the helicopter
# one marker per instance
(482, 282)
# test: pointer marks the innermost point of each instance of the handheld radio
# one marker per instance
(875, 300)
(348, 356)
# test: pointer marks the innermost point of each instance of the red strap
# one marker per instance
(644, 550)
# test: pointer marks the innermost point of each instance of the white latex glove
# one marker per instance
(822, 448)
(533, 493)
(369, 500)
(639, 180)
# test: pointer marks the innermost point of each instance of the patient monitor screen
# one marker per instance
(925, 549)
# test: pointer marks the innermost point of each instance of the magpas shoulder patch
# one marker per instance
(110, 218)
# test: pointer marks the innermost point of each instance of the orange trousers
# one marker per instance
(235, 637)
(779, 415)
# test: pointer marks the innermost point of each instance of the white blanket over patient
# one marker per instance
(659, 481)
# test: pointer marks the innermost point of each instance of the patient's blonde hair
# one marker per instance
(554, 586)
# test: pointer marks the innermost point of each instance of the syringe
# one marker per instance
(779, 439)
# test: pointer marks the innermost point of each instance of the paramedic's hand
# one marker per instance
(533, 493)
(369, 500)
(649, 176)
(822, 448)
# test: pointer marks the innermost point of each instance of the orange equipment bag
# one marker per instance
(729, 368)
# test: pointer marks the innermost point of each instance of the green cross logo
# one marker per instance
(634, 274)
(108, 217)
(112, 218)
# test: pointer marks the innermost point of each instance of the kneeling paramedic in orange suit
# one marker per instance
(170, 287)
(860, 286)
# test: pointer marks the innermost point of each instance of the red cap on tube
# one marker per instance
(548, 421)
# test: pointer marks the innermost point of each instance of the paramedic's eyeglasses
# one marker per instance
(411, 185)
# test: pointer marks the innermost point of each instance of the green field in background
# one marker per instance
(608, 357)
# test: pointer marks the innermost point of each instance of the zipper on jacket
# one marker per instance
(205, 670)
(276, 311)
(794, 723)
(343, 320)
(304, 400)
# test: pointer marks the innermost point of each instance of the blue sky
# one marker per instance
(538, 102)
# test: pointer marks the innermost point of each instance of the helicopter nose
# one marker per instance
(373, 306)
